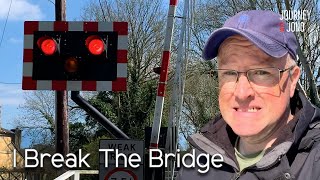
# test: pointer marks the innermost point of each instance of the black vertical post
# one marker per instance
(62, 125)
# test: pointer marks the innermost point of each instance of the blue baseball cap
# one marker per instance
(263, 28)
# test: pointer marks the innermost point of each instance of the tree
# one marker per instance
(37, 118)
(309, 40)
(200, 101)
(131, 111)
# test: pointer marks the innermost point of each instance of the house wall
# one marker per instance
(6, 154)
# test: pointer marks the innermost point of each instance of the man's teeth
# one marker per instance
(248, 110)
(252, 110)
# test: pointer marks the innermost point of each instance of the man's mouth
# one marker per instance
(250, 109)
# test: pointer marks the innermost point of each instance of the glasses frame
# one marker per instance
(246, 72)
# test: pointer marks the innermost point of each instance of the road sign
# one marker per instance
(126, 147)
(121, 173)
(78, 56)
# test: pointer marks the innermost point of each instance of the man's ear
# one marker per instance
(294, 76)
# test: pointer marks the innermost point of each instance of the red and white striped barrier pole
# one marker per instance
(163, 76)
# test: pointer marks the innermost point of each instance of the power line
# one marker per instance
(9, 83)
(5, 24)
(51, 2)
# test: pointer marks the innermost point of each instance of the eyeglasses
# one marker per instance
(260, 77)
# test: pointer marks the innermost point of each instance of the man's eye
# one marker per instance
(230, 73)
(261, 72)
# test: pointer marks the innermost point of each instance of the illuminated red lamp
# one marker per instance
(47, 45)
(95, 45)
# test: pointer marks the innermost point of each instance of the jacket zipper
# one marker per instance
(237, 175)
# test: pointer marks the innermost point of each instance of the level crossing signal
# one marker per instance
(75, 56)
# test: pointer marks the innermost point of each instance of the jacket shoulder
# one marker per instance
(311, 166)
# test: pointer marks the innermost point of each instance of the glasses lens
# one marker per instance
(264, 77)
(227, 78)
(261, 79)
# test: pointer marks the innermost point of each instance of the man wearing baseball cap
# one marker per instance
(267, 128)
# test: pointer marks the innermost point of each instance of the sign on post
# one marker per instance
(121, 159)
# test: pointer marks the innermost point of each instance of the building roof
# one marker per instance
(5, 132)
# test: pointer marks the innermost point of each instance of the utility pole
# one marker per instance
(62, 124)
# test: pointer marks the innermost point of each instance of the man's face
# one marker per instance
(251, 110)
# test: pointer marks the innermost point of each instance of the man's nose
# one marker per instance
(243, 89)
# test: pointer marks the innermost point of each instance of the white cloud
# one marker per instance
(20, 10)
(14, 40)
(11, 95)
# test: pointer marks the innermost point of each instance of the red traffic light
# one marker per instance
(95, 45)
(47, 45)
